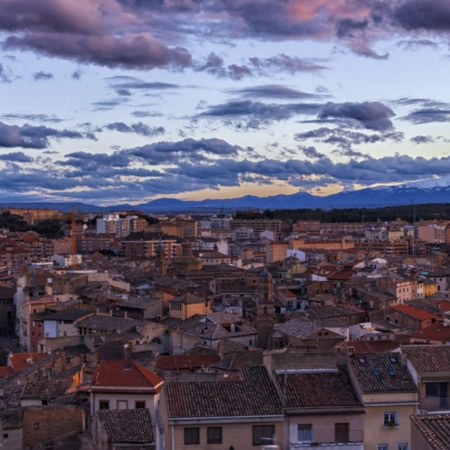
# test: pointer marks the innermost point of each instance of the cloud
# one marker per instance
(36, 137)
(275, 92)
(370, 115)
(4, 76)
(247, 114)
(344, 139)
(430, 15)
(39, 76)
(138, 128)
(422, 140)
(428, 115)
(19, 157)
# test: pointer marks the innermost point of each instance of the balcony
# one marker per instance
(436, 404)
(327, 445)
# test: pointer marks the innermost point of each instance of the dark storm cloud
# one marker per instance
(42, 76)
(370, 115)
(138, 128)
(28, 136)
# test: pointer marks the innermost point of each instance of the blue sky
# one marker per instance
(111, 101)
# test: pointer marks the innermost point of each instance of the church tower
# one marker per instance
(160, 263)
(265, 308)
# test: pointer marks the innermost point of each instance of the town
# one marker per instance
(215, 331)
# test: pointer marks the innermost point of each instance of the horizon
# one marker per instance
(127, 101)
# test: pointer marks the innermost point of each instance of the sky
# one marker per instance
(127, 101)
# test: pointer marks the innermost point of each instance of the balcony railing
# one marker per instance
(436, 404)
(327, 445)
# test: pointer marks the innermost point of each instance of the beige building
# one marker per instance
(389, 396)
(241, 414)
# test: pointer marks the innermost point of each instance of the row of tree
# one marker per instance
(409, 213)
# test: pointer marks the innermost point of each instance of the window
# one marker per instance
(383, 447)
(403, 446)
(341, 432)
(263, 434)
(214, 435)
(304, 433)
(5, 435)
(103, 404)
(191, 436)
(140, 404)
(390, 419)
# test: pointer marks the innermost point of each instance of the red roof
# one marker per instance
(435, 332)
(444, 305)
(125, 374)
(185, 362)
(19, 361)
(417, 313)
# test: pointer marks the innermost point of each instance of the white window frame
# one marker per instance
(390, 417)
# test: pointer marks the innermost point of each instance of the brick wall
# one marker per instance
(43, 423)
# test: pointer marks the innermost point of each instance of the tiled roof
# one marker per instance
(297, 327)
(69, 314)
(435, 429)
(19, 361)
(190, 362)
(364, 346)
(127, 426)
(236, 360)
(210, 326)
(254, 395)
(318, 389)
(428, 358)
(436, 331)
(414, 312)
(10, 419)
(47, 389)
(103, 322)
(125, 374)
(381, 372)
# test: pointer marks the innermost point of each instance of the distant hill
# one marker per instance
(435, 191)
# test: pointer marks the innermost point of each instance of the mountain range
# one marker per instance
(431, 191)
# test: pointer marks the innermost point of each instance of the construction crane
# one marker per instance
(74, 238)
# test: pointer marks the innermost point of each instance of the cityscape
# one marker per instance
(224, 224)
(202, 331)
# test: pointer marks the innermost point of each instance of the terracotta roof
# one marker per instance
(47, 389)
(19, 361)
(381, 373)
(417, 313)
(364, 346)
(5, 371)
(190, 362)
(435, 429)
(298, 328)
(125, 374)
(436, 331)
(429, 358)
(127, 426)
(318, 389)
(253, 395)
